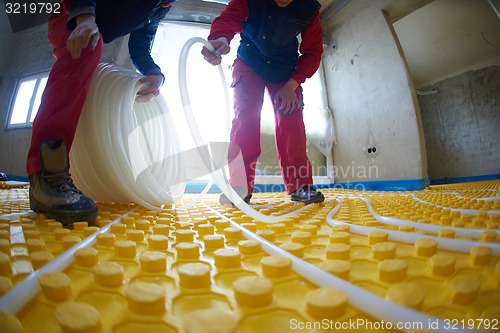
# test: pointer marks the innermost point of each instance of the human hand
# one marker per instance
(154, 83)
(221, 47)
(85, 34)
(286, 98)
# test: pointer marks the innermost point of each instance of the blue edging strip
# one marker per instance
(441, 181)
(18, 178)
(379, 185)
(375, 185)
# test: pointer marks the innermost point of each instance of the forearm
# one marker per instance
(311, 50)
(79, 8)
(230, 21)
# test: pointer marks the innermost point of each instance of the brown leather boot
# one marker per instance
(52, 190)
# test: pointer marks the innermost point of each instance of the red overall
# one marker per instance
(290, 134)
(66, 90)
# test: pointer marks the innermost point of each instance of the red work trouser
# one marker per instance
(65, 92)
(290, 134)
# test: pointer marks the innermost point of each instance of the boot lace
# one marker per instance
(62, 181)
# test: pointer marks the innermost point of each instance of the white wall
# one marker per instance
(372, 98)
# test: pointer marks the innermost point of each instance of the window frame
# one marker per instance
(39, 76)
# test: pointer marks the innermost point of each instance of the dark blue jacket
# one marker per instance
(269, 38)
(139, 18)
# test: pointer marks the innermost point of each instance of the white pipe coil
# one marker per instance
(126, 151)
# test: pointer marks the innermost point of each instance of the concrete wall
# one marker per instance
(462, 124)
(372, 98)
(23, 53)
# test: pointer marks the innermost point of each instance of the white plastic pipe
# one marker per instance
(457, 245)
(218, 176)
(361, 299)
(26, 290)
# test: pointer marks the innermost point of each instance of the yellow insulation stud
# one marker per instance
(109, 274)
(135, 235)
(129, 221)
(392, 270)
(125, 249)
(60, 233)
(465, 289)
(384, 250)
(106, 239)
(5, 286)
(40, 258)
(480, 255)
(442, 264)
(5, 246)
(158, 242)
(267, 235)
(184, 235)
(338, 251)
(194, 275)
(278, 228)
(55, 286)
(153, 261)
(489, 236)
(146, 298)
(205, 229)
(5, 265)
(249, 246)
(407, 294)
(86, 256)
(377, 236)
(9, 323)
(188, 251)
(118, 229)
(75, 317)
(302, 237)
(233, 234)
(87, 231)
(143, 225)
(54, 225)
(276, 266)
(446, 233)
(253, 291)
(339, 268)
(425, 247)
(80, 225)
(311, 228)
(227, 258)
(326, 302)
(213, 241)
(340, 237)
(295, 249)
(34, 245)
(69, 241)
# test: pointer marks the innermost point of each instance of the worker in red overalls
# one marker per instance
(268, 58)
(77, 33)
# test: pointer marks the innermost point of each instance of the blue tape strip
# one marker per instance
(441, 181)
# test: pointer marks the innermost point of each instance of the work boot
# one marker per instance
(52, 190)
(243, 193)
(307, 194)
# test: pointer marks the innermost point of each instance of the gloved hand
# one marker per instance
(221, 47)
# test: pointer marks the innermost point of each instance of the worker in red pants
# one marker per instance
(77, 33)
(268, 58)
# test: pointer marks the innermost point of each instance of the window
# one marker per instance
(26, 100)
